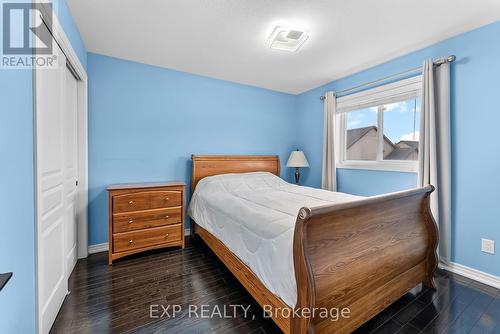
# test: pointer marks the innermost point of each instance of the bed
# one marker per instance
(298, 248)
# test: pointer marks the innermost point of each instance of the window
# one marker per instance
(379, 128)
(401, 122)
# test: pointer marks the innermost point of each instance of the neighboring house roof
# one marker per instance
(403, 150)
(407, 152)
(401, 153)
(411, 143)
(353, 135)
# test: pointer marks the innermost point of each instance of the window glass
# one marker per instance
(401, 130)
(361, 135)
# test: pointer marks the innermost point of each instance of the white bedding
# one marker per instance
(254, 215)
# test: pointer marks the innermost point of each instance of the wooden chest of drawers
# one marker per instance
(145, 216)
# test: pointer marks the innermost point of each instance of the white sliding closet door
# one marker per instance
(70, 145)
(56, 168)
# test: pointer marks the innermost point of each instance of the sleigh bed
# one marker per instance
(360, 254)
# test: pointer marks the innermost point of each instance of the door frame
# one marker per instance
(82, 125)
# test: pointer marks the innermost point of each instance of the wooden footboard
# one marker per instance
(361, 256)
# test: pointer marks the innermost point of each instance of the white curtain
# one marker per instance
(435, 148)
(329, 173)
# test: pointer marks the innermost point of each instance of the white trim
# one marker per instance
(82, 204)
(187, 231)
(92, 249)
(63, 41)
(82, 87)
(83, 185)
(471, 273)
(385, 165)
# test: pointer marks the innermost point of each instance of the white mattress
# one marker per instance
(254, 215)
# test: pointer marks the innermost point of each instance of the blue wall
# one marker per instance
(17, 225)
(475, 114)
(146, 121)
(17, 240)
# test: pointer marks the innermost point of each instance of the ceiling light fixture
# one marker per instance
(287, 39)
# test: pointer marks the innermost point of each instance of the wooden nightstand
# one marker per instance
(145, 216)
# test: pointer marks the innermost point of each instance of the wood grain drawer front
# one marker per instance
(145, 200)
(131, 202)
(123, 242)
(125, 222)
(165, 199)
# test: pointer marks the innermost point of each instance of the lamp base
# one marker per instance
(297, 175)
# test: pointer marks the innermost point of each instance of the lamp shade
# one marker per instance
(297, 159)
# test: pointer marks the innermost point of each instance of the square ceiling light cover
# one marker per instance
(287, 39)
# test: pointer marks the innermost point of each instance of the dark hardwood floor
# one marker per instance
(122, 298)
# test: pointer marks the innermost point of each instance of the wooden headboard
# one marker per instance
(208, 165)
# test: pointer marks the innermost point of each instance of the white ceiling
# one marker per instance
(227, 39)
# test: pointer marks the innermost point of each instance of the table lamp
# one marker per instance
(297, 160)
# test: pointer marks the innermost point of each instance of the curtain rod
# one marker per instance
(415, 70)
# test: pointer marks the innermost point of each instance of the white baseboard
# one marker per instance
(473, 274)
(92, 249)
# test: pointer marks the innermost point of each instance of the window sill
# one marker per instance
(387, 166)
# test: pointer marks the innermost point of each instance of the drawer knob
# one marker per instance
(166, 235)
(166, 198)
(130, 221)
(166, 217)
(130, 202)
(130, 242)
